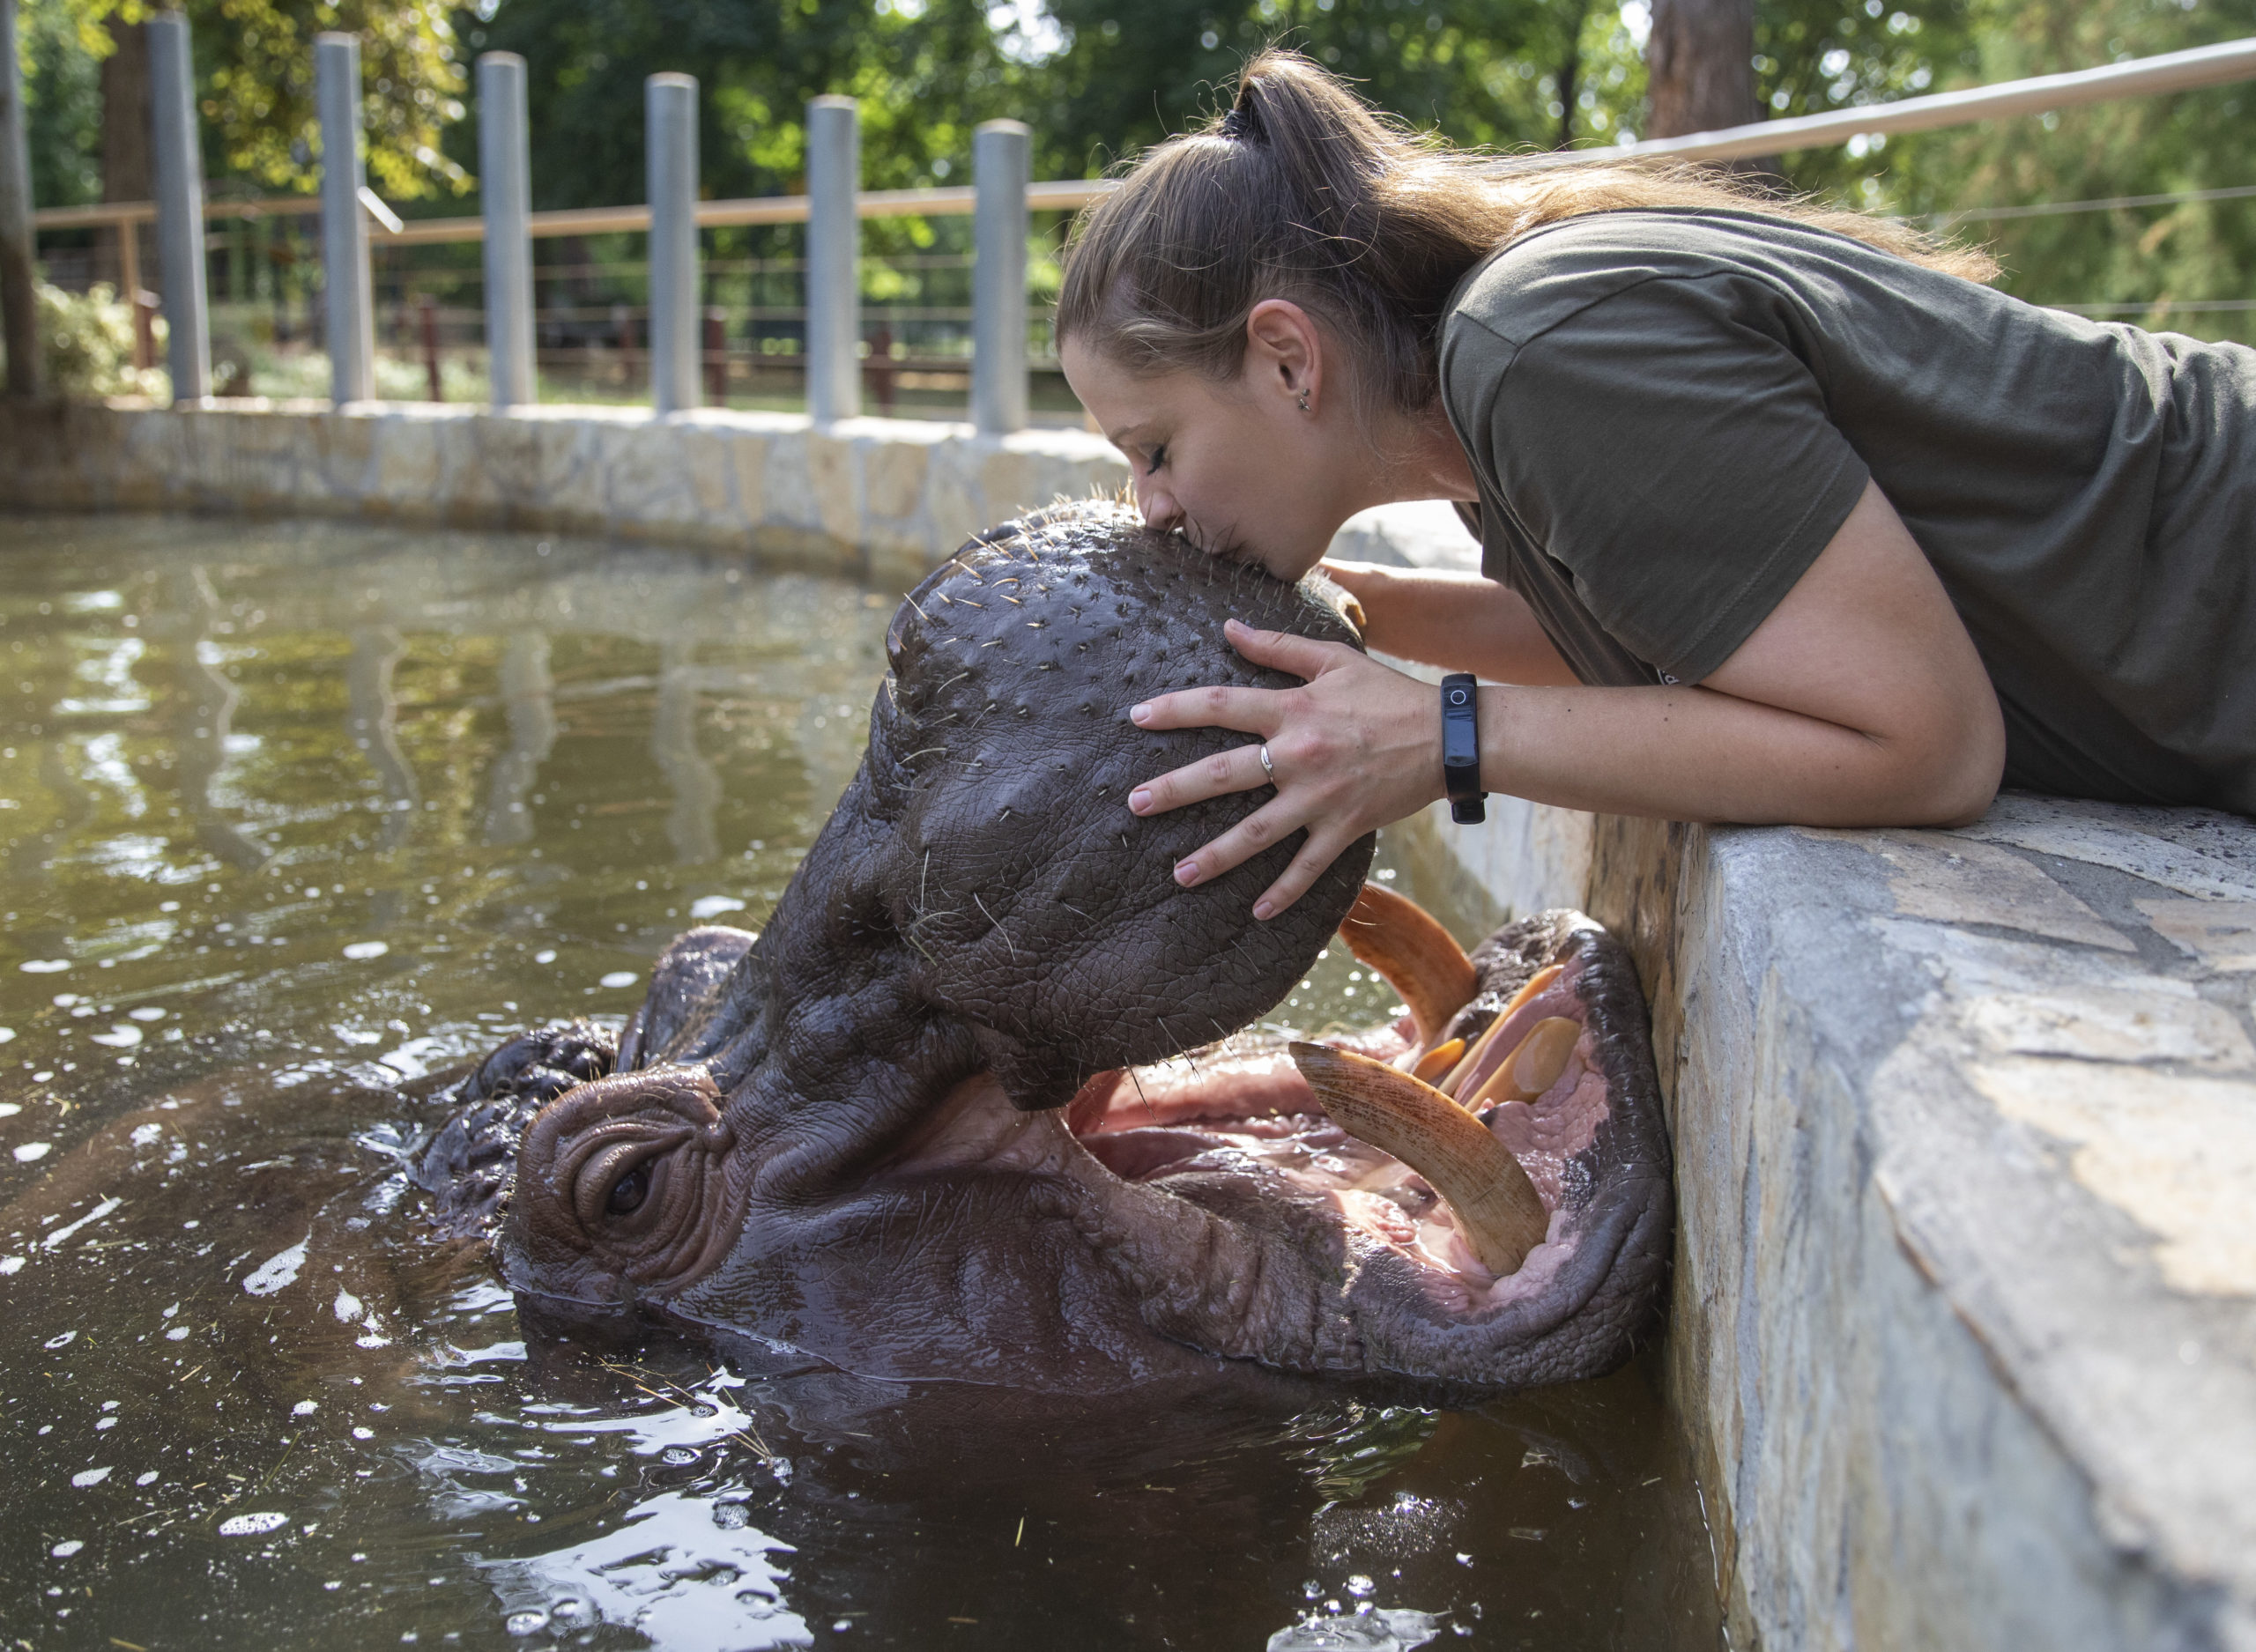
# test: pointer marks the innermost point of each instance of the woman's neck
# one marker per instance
(1417, 456)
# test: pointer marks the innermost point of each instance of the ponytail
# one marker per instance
(1300, 190)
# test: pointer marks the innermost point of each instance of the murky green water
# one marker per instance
(293, 816)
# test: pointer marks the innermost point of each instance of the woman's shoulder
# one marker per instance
(1530, 285)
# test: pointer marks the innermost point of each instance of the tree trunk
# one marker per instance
(1700, 62)
(128, 172)
(18, 326)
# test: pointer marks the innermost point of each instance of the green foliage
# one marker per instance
(254, 73)
(62, 105)
(255, 61)
(87, 339)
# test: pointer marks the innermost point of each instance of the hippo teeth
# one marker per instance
(1420, 959)
(1532, 1068)
(1498, 1210)
(1474, 1064)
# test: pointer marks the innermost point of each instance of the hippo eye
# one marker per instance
(628, 1192)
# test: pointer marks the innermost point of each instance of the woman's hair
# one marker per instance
(1301, 190)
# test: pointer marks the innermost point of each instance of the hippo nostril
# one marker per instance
(628, 1192)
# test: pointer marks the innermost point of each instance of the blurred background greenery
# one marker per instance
(1096, 79)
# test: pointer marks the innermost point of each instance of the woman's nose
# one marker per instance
(1159, 508)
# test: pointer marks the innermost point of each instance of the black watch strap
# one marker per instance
(1461, 748)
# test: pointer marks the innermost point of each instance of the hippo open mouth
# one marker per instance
(975, 1104)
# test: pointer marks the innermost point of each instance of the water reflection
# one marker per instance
(373, 716)
(529, 707)
(203, 709)
(691, 825)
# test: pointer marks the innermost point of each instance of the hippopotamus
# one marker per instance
(977, 1102)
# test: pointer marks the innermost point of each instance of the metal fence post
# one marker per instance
(179, 207)
(1001, 152)
(349, 288)
(505, 180)
(670, 135)
(834, 250)
(17, 281)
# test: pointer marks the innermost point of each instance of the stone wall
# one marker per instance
(859, 493)
(1963, 1319)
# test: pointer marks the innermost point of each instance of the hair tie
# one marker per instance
(1235, 124)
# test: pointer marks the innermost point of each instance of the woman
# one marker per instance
(1784, 516)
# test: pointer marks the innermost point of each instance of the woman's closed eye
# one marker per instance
(1154, 458)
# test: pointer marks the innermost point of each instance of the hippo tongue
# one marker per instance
(1498, 1210)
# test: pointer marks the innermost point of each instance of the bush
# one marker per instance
(88, 341)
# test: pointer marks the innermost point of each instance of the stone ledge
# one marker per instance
(1964, 1315)
(850, 494)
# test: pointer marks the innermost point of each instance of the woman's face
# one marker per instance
(1238, 468)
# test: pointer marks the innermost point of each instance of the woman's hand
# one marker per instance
(1356, 748)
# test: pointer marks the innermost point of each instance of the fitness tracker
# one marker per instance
(1461, 748)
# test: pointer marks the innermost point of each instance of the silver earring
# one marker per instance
(1304, 401)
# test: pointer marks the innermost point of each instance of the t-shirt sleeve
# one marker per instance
(1668, 449)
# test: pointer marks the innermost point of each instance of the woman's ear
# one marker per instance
(1285, 353)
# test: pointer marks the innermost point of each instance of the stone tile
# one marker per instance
(2176, 1155)
(896, 471)
(2166, 1021)
(2099, 836)
(1949, 878)
(833, 467)
(2222, 934)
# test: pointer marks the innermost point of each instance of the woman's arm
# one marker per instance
(1859, 701)
(1460, 622)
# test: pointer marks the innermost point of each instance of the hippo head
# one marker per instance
(916, 1127)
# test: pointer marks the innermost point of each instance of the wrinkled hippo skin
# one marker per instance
(891, 1132)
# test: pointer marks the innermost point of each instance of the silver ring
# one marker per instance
(1267, 768)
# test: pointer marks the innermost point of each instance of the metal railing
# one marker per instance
(676, 337)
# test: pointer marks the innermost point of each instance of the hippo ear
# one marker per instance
(1044, 915)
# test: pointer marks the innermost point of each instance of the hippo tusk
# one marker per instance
(1538, 982)
(1421, 959)
(1436, 1062)
(1498, 1210)
(1533, 1068)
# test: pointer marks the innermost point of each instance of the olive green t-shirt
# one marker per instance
(1670, 414)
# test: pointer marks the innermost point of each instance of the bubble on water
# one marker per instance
(364, 1433)
(32, 1153)
(10, 1264)
(525, 1622)
(85, 1478)
(278, 1270)
(730, 1516)
(63, 1341)
(546, 955)
(253, 1525)
(1360, 1587)
(620, 978)
(346, 1307)
(304, 1408)
(366, 949)
(147, 1012)
(178, 1333)
(9, 1109)
(7, 1035)
(675, 1456)
(43, 965)
(42, 1077)
(148, 1478)
(68, 1547)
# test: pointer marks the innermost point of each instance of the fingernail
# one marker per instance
(1186, 873)
(1138, 801)
(1264, 911)
(1139, 713)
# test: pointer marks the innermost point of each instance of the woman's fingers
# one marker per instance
(1237, 769)
(1248, 710)
(1304, 657)
(1274, 820)
(1321, 850)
